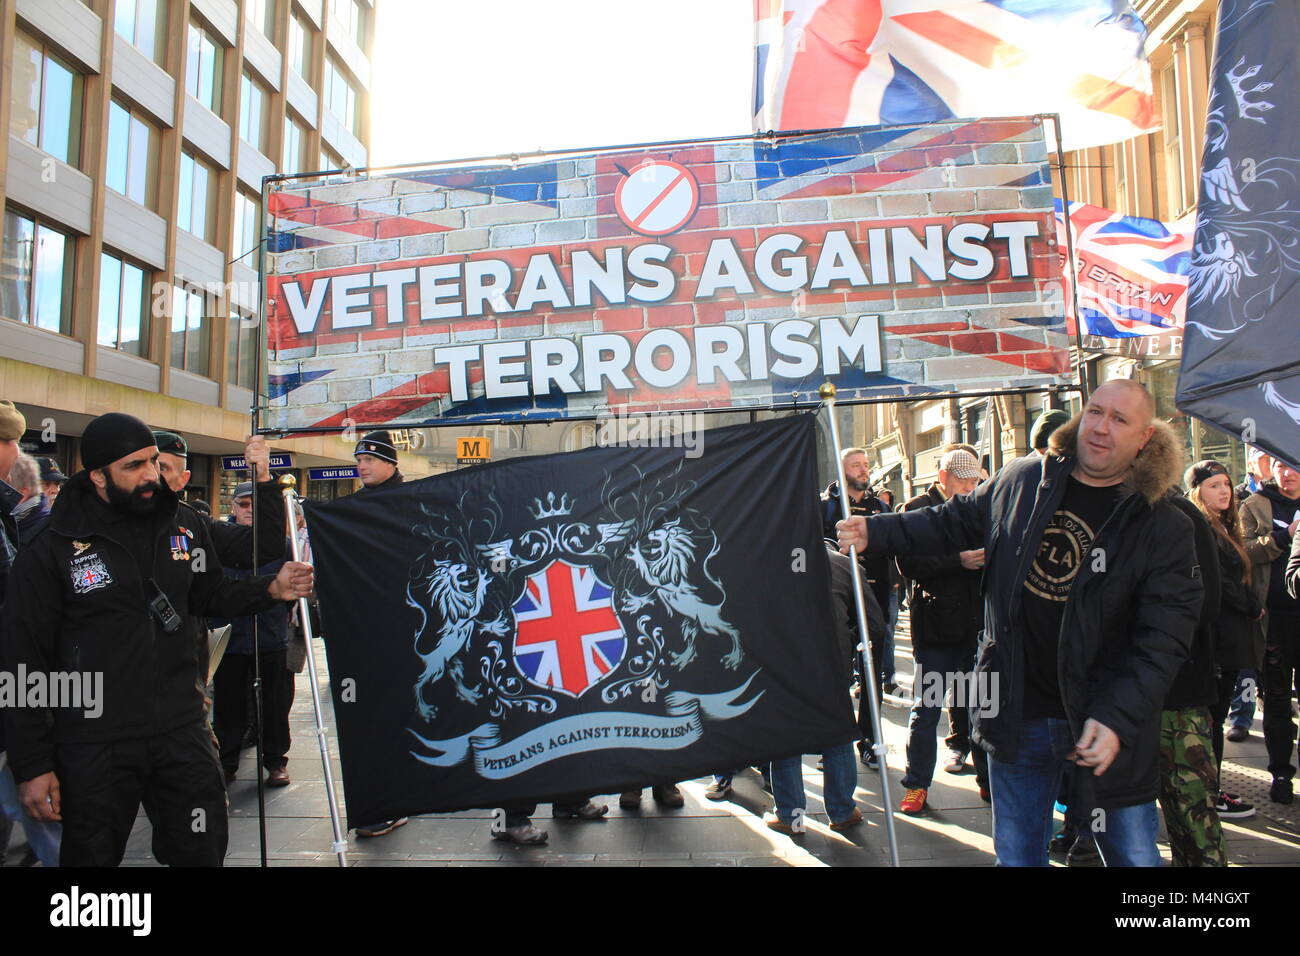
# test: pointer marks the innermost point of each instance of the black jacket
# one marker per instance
(876, 566)
(1129, 618)
(9, 499)
(79, 601)
(234, 542)
(1238, 610)
(1195, 684)
(944, 596)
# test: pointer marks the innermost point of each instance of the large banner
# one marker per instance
(1241, 343)
(583, 623)
(902, 261)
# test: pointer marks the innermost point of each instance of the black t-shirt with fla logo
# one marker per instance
(1065, 546)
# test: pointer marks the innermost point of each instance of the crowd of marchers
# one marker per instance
(1091, 620)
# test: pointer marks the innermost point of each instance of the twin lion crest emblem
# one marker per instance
(566, 607)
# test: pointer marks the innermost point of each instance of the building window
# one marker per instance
(132, 155)
(123, 306)
(241, 351)
(46, 101)
(189, 340)
(262, 15)
(196, 213)
(1172, 132)
(353, 15)
(340, 95)
(143, 24)
(36, 274)
(253, 113)
(203, 68)
(300, 38)
(246, 238)
(291, 151)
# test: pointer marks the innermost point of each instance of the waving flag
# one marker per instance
(828, 63)
(1132, 271)
(1241, 346)
(589, 622)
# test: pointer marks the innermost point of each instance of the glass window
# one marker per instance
(245, 229)
(291, 151)
(353, 15)
(194, 212)
(189, 328)
(300, 34)
(132, 159)
(45, 104)
(122, 323)
(36, 274)
(262, 15)
(142, 24)
(340, 95)
(203, 68)
(252, 112)
(241, 350)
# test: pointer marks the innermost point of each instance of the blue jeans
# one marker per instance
(887, 645)
(1243, 711)
(924, 721)
(839, 780)
(1025, 790)
(43, 838)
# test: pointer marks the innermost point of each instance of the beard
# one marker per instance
(855, 485)
(133, 501)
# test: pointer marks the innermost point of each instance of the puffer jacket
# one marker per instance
(1127, 625)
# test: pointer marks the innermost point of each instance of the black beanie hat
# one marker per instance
(378, 444)
(1202, 471)
(113, 436)
(1044, 425)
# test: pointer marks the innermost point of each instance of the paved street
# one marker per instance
(954, 832)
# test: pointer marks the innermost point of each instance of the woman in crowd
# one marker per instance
(1210, 489)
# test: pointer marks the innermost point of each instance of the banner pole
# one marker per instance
(340, 846)
(827, 393)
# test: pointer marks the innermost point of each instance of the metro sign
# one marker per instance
(568, 637)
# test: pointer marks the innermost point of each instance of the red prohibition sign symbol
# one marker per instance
(657, 197)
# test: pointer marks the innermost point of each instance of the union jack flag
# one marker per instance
(828, 63)
(1132, 272)
(567, 634)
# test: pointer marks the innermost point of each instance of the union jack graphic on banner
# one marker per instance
(568, 635)
(1132, 272)
(828, 63)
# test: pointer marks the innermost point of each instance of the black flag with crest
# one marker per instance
(580, 623)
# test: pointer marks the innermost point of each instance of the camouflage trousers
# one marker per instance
(1189, 782)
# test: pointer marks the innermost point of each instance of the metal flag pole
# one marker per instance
(827, 394)
(291, 512)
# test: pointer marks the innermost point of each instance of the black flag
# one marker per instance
(1241, 344)
(581, 623)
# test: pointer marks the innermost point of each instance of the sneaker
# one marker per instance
(1232, 807)
(379, 829)
(852, 820)
(774, 822)
(869, 760)
(524, 835)
(1063, 840)
(913, 802)
(1238, 734)
(582, 811)
(1084, 852)
(718, 790)
(667, 796)
(956, 762)
(1280, 791)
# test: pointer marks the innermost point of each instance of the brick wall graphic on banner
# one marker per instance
(895, 261)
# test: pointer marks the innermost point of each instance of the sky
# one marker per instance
(454, 79)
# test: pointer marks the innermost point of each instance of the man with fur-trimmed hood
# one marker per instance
(1091, 597)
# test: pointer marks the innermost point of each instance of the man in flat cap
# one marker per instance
(112, 591)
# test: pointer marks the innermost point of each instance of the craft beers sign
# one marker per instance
(893, 261)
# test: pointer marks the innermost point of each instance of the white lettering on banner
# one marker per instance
(644, 273)
(512, 369)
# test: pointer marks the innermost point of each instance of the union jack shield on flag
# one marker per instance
(827, 63)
